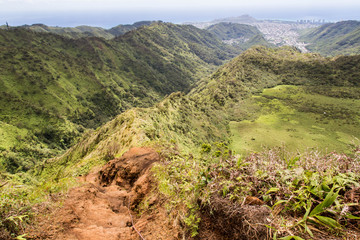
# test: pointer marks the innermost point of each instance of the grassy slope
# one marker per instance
(72, 32)
(54, 87)
(205, 113)
(85, 31)
(299, 119)
(175, 120)
(227, 31)
(291, 116)
(240, 35)
(340, 38)
(122, 29)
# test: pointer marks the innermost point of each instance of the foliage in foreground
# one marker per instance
(203, 115)
(310, 195)
(22, 197)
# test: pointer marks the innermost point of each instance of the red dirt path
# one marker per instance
(103, 206)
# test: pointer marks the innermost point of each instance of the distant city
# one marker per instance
(313, 21)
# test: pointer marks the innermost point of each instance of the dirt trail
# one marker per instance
(102, 207)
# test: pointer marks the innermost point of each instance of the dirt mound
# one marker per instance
(130, 172)
(104, 207)
(225, 220)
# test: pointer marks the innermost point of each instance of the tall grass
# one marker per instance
(308, 193)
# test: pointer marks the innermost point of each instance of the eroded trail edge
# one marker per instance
(103, 206)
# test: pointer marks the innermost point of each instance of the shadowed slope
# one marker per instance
(341, 38)
(52, 87)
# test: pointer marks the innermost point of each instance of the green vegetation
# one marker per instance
(54, 88)
(22, 196)
(71, 32)
(122, 29)
(301, 100)
(299, 118)
(240, 35)
(227, 31)
(341, 38)
(216, 108)
(85, 31)
(183, 179)
(308, 194)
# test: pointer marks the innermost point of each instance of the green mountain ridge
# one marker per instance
(211, 141)
(269, 125)
(53, 88)
(239, 35)
(227, 31)
(122, 29)
(209, 111)
(86, 31)
(341, 38)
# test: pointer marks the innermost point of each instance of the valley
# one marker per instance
(279, 33)
(339, 38)
(55, 88)
(300, 120)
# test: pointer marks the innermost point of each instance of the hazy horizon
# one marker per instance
(109, 13)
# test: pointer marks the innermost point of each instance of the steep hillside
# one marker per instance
(122, 29)
(240, 35)
(227, 31)
(71, 32)
(341, 38)
(233, 94)
(53, 88)
(277, 32)
(242, 108)
(319, 112)
(86, 31)
(199, 182)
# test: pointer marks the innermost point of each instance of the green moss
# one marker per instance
(292, 117)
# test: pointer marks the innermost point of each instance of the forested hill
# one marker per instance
(227, 31)
(124, 28)
(240, 35)
(238, 136)
(232, 94)
(341, 38)
(53, 88)
(86, 31)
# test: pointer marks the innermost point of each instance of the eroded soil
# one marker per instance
(103, 207)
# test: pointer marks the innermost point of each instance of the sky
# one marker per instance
(109, 13)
